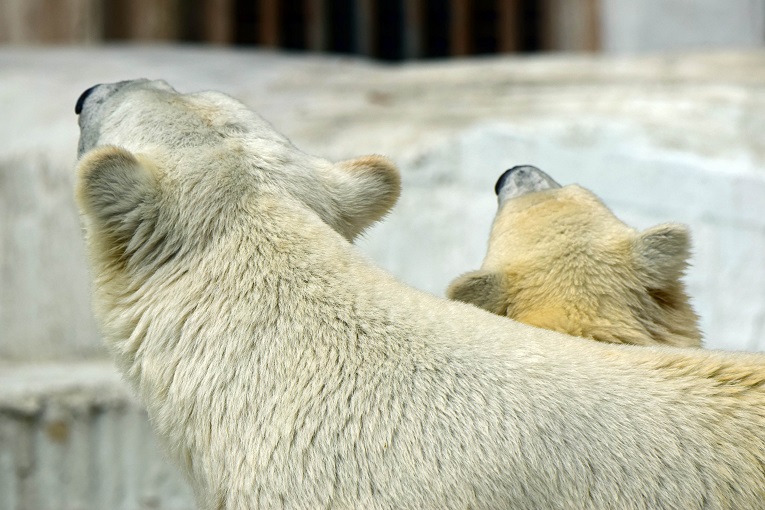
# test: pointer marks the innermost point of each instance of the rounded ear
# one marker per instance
(113, 189)
(661, 253)
(484, 289)
(366, 189)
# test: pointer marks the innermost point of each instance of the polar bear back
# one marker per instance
(279, 367)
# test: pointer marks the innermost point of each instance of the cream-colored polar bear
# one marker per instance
(280, 368)
(559, 259)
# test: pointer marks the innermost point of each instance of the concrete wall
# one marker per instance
(72, 439)
(640, 26)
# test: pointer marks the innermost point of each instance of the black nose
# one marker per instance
(504, 176)
(82, 98)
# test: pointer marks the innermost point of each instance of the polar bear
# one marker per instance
(280, 368)
(559, 259)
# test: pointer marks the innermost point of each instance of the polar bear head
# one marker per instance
(559, 259)
(141, 138)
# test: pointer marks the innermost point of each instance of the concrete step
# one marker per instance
(73, 438)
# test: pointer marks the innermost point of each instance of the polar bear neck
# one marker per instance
(304, 325)
(258, 278)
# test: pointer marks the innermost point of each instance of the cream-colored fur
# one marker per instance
(559, 259)
(281, 369)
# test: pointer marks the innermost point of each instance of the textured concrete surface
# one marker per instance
(661, 138)
(628, 26)
(71, 438)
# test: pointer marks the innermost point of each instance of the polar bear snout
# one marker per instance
(98, 94)
(97, 103)
(102, 91)
(520, 180)
(82, 98)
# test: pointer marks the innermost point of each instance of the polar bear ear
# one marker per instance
(661, 253)
(365, 188)
(112, 187)
(484, 289)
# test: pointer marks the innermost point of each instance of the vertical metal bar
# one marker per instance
(46, 21)
(570, 26)
(365, 33)
(50, 21)
(593, 35)
(316, 25)
(153, 19)
(217, 22)
(460, 27)
(95, 26)
(508, 26)
(413, 14)
(269, 23)
(115, 19)
(547, 24)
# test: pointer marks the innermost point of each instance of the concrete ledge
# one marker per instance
(72, 438)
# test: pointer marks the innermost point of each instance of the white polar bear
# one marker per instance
(281, 369)
(559, 259)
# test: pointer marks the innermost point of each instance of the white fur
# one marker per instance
(282, 369)
(559, 259)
